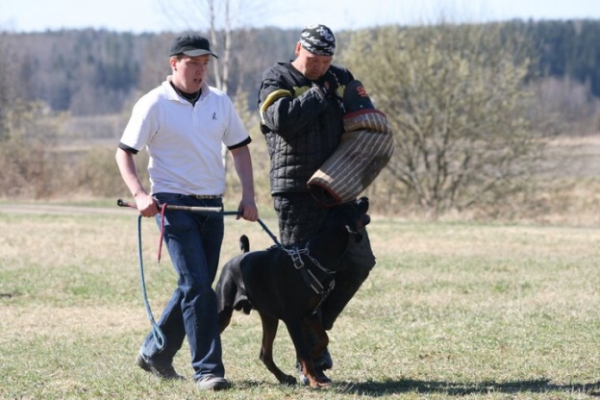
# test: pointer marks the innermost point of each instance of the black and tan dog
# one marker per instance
(289, 284)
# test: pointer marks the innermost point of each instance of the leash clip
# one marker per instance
(296, 258)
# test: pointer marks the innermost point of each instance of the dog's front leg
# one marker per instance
(314, 323)
(303, 353)
(269, 327)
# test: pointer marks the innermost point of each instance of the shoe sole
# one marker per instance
(215, 387)
(143, 364)
(217, 384)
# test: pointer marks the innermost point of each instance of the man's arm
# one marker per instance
(287, 112)
(243, 167)
(145, 203)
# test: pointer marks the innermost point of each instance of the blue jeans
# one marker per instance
(194, 243)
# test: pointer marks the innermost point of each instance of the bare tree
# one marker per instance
(219, 18)
(4, 86)
(456, 100)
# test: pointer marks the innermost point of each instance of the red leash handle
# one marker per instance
(163, 208)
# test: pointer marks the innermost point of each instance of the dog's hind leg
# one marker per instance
(226, 291)
(269, 327)
(224, 318)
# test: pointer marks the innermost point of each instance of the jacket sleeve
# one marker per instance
(286, 110)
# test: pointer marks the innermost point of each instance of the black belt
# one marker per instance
(205, 196)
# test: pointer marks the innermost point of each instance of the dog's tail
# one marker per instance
(244, 244)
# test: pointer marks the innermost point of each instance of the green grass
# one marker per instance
(451, 310)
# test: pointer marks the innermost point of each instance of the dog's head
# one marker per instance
(353, 215)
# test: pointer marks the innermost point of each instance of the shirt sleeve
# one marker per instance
(236, 132)
(241, 144)
(141, 126)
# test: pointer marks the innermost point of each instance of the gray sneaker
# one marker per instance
(161, 370)
(212, 382)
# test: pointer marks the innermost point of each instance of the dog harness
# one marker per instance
(311, 280)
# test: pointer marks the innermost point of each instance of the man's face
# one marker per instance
(189, 72)
(311, 65)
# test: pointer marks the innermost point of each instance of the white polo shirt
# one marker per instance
(184, 141)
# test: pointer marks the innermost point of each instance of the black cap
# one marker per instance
(191, 45)
(356, 98)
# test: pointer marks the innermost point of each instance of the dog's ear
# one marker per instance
(363, 204)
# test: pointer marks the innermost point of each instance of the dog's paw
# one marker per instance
(326, 384)
(288, 380)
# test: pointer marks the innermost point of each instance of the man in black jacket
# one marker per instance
(302, 112)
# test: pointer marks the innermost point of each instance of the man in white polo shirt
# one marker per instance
(183, 124)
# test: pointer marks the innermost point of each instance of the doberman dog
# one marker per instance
(289, 284)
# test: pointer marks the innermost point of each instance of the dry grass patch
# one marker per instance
(450, 310)
(70, 321)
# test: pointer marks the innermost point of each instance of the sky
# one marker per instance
(138, 16)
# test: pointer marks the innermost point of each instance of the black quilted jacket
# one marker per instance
(302, 127)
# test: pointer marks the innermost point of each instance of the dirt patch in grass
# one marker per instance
(60, 322)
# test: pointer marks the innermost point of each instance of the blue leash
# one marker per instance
(158, 334)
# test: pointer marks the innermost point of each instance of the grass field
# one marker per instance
(452, 310)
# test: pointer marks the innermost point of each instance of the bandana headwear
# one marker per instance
(318, 39)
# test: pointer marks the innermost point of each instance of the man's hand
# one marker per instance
(146, 205)
(327, 85)
(330, 84)
(247, 210)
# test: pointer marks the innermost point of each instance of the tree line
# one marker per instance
(472, 107)
(94, 72)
